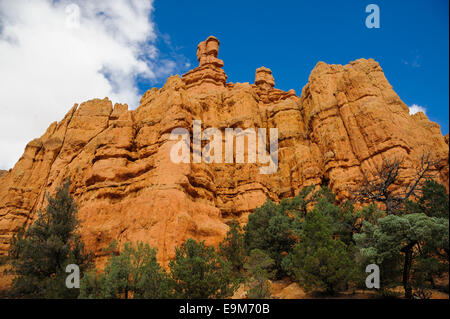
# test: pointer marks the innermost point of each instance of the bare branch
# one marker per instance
(381, 188)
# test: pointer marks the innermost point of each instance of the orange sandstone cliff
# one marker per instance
(345, 122)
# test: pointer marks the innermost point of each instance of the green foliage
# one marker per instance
(433, 201)
(132, 273)
(298, 205)
(326, 248)
(40, 253)
(411, 247)
(320, 261)
(403, 243)
(274, 228)
(423, 270)
(232, 248)
(258, 271)
(326, 194)
(346, 221)
(200, 272)
(370, 214)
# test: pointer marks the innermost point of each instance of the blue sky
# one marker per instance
(70, 51)
(290, 37)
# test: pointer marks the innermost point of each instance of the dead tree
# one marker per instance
(384, 186)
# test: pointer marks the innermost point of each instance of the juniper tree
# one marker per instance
(400, 244)
(40, 253)
(413, 247)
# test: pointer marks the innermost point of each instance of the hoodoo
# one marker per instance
(346, 121)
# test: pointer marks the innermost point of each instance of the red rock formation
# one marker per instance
(209, 74)
(264, 79)
(346, 121)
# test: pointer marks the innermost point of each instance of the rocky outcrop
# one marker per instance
(346, 121)
(209, 74)
(264, 79)
(2, 172)
(356, 120)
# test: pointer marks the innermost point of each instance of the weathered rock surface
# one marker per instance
(346, 121)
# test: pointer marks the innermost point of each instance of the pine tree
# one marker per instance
(259, 268)
(232, 248)
(321, 261)
(397, 243)
(200, 273)
(40, 253)
(433, 201)
(270, 229)
(133, 273)
(413, 247)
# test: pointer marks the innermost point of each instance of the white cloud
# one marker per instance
(413, 109)
(57, 53)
